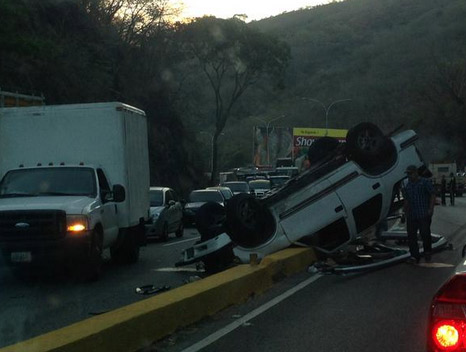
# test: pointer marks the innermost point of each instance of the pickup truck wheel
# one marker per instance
(180, 231)
(91, 267)
(127, 249)
(249, 223)
(321, 149)
(368, 146)
(210, 220)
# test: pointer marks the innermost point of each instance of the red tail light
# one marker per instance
(446, 335)
(447, 326)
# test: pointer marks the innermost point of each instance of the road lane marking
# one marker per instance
(435, 265)
(251, 315)
(178, 242)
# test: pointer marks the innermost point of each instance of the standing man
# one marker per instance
(443, 189)
(452, 188)
(418, 206)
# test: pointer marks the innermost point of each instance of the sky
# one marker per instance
(254, 9)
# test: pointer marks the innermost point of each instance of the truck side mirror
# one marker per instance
(119, 193)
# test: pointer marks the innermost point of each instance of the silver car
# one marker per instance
(166, 213)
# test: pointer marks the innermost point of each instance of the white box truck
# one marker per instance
(74, 181)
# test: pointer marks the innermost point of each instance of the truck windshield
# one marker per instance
(53, 181)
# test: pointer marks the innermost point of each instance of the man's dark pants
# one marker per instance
(423, 226)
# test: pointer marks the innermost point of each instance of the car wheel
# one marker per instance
(180, 231)
(210, 220)
(91, 268)
(164, 234)
(249, 223)
(368, 146)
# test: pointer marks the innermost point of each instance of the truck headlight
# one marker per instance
(77, 223)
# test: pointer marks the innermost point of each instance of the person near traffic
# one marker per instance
(452, 188)
(443, 189)
(419, 201)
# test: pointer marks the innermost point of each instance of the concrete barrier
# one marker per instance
(137, 325)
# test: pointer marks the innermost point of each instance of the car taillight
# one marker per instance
(446, 335)
(447, 326)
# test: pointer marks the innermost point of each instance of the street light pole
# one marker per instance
(326, 109)
(267, 125)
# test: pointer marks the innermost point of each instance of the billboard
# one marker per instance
(303, 137)
(271, 143)
(282, 142)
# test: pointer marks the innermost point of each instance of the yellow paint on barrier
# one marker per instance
(137, 325)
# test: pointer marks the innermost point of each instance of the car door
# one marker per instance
(315, 216)
(108, 210)
(362, 197)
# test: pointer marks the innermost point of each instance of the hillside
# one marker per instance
(399, 61)
(392, 61)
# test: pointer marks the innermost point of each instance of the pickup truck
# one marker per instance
(349, 188)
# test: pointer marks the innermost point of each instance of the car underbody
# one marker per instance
(349, 189)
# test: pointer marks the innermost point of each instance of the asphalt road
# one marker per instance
(37, 305)
(382, 310)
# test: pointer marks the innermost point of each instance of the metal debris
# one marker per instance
(151, 289)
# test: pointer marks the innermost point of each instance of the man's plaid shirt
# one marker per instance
(418, 195)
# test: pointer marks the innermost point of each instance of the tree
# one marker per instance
(232, 56)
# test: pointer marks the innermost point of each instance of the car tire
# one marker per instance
(91, 269)
(249, 223)
(369, 147)
(210, 220)
(321, 149)
(180, 232)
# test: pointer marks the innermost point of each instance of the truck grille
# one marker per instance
(32, 225)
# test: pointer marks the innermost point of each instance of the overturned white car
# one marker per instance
(348, 189)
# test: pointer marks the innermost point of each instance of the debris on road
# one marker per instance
(151, 289)
(372, 256)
